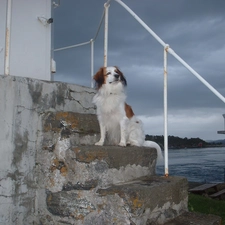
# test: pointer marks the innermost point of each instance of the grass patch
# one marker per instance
(198, 203)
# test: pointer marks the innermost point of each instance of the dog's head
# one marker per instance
(109, 75)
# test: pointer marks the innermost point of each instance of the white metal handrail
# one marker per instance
(72, 46)
(166, 50)
(91, 42)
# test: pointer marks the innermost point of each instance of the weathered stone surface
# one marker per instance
(145, 198)
(78, 128)
(70, 122)
(148, 200)
(116, 156)
(88, 185)
(69, 204)
(82, 171)
(92, 166)
(24, 102)
(48, 177)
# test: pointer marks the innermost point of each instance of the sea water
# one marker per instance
(205, 165)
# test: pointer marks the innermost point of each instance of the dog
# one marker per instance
(118, 124)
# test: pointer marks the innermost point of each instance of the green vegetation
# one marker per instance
(177, 142)
(198, 203)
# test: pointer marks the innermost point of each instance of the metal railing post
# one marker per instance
(169, 50)
(165, 114)
(92, 62)
(106, 5)
(71, 46)
(7, 36)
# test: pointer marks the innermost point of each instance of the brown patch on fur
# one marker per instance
(129, 111)
(99, 77)
(123, 79)
(118, 71)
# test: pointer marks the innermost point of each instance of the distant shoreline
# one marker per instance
(175, 142)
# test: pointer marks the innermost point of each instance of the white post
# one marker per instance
(106, 5)
(92, 62)
(165, 114)
(224, 120)
(7, 37)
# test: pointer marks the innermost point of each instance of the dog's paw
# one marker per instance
(99, 143)
(123, 144)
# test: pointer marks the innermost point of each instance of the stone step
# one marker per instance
(147, 200)
(191, 218)
(98, 166)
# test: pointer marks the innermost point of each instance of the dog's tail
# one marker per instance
(153, 144)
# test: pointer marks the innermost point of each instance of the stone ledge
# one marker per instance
(71, 122)
(148, 200)
(87, 167)
(156, 198)
(116, 156)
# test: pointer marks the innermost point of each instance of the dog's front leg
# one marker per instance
(102, 134)
(123, 130)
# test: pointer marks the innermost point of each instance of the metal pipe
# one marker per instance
(211, 88)
(7, 36)
(106, 5)
(142, 23)
(92, 62)
(171, 51)
(224, 175)
(72, 46)
(165, 114)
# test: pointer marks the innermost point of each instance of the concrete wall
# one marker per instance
(24, 103)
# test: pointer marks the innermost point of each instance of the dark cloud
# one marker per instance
(193, 29)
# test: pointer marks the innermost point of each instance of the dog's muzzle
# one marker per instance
(117, 77)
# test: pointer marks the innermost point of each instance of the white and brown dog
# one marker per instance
(118, 124)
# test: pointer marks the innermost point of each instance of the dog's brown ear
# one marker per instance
(99, 77)
(123, 79)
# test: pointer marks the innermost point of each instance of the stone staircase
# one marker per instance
(88, 184)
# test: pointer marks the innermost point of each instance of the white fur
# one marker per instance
(115, 127)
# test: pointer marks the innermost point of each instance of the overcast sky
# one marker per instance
(195, 30)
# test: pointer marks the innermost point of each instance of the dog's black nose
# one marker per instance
(116, 76)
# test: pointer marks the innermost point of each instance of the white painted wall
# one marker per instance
(30, 42)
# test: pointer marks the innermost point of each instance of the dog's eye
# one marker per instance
(108, 73)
